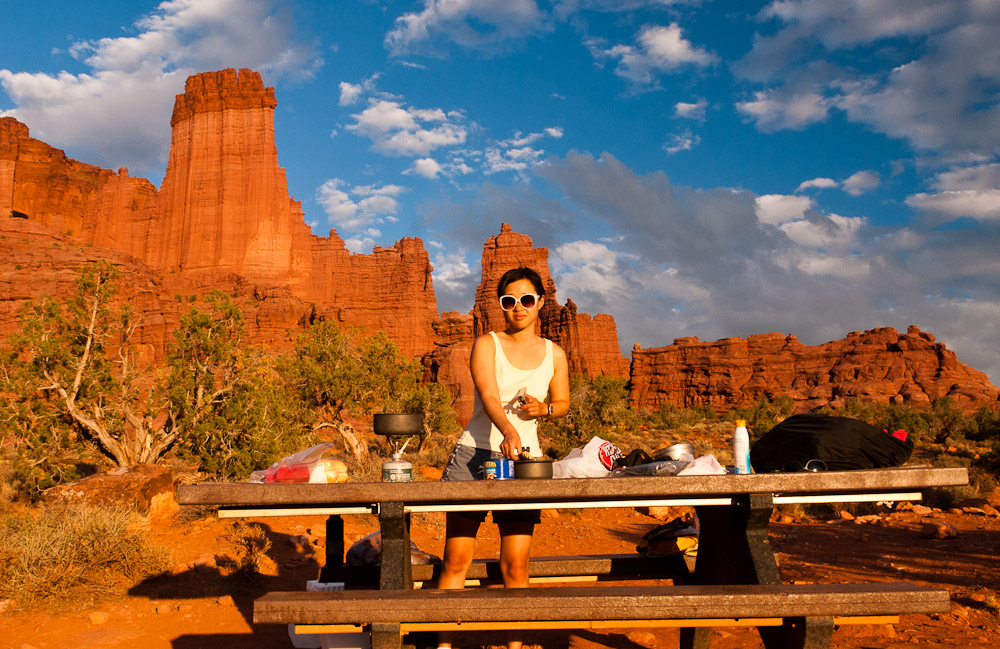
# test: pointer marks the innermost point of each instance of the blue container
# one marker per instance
(498, 469)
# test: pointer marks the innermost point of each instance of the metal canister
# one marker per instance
(498, 469)
(397, 469)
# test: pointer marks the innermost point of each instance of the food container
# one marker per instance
(498, 469)
(673, 452)
(532, 469)
(406, 423)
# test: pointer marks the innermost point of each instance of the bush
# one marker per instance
(598, 407)
(73, 555)
(764, 414)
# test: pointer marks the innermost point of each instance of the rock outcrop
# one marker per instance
(879, 365)
(223, 219)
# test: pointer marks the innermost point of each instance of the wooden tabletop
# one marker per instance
(591, 489)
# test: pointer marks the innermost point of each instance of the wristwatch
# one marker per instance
(550, 410)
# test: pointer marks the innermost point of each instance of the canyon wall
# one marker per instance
(223, 219)
(879, 365)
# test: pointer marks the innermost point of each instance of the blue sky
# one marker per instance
(696, 168)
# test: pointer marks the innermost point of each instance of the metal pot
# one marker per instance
(407, 423)
(674, 452)
(532, 469)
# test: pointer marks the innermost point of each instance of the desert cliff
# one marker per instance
(223, 219)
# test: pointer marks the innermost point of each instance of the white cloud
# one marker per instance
(775, 209)
(981, 204)
(861, 182)
(823, 232)
(427, 167)
(986, 176)
(395, 130)
(681, 142)
(691, 111)
(351, 93)
(452, 272)
(819, 183)
(118, 112)
(474, 24)
(516, 153)
(658, 50)
(936, 93)
(774, 110)
(358, 208)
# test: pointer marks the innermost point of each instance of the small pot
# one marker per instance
(533, 469)
(407, 423)
(674, 452)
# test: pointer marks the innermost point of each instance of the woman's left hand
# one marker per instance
(533, 407)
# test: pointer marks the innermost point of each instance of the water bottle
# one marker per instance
(397, 469)
(741, 448)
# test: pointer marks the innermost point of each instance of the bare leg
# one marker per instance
(515, 547)
(459, 548)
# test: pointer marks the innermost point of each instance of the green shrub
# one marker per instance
(59, 556)
(598, 408)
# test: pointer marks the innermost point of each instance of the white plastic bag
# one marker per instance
(704, 465)
(594, 460)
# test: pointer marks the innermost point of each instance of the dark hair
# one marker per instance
(515, 274)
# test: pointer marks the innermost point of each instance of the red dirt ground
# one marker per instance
(195, 610)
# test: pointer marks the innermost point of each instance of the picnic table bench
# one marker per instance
(736, 578)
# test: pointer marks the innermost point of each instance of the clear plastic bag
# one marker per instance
(316, 464)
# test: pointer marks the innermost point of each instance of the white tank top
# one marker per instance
(481, 432)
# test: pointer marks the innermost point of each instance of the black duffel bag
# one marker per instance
(840, 443)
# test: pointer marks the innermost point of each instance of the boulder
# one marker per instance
(148, 489)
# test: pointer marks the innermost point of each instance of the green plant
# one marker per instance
(598, 408)
(72, 365)
(340, 373)
(251, 545)
(75, 555)
(764, 414)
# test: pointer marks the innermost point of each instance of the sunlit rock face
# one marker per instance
(223, 219)
(879, 365)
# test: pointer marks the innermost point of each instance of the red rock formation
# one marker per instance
(40, 183)
(879, 365)
(223, 218)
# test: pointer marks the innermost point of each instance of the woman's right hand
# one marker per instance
(511, 445)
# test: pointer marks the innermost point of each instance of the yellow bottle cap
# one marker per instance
(741, 422)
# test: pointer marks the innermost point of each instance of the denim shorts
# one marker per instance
(466, 463)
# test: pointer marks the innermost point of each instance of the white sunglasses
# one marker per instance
(528, 301)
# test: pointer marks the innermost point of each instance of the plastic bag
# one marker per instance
(704, 465)
(662, 467)
(315, 464)
(595, 460)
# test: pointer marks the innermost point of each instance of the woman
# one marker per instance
(503, 424)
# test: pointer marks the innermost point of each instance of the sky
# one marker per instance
(695, 168)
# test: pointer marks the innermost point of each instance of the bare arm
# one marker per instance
(485, 379)
(558, 390)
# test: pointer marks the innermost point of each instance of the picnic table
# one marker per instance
(735, 563)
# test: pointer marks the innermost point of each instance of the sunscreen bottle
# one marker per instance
(741, 447)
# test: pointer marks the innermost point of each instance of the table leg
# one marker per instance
(386, 636)
(333, 569)
(396, 572)
(733, 549)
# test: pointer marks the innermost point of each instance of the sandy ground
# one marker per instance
(192, 609)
